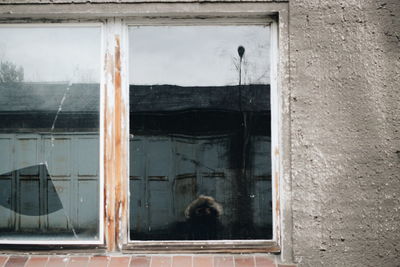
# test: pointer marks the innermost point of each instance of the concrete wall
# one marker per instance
(345, 131)
(345, 117)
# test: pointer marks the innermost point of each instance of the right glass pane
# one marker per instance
(200, 133)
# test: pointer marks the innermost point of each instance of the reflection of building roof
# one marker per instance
(45, 97)
(39, 97)
(254, 97)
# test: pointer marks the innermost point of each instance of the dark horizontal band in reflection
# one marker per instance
(199, 110)
(253, 97)
(43, 121)
(198, 123)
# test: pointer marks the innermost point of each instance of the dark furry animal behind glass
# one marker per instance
(202, 218)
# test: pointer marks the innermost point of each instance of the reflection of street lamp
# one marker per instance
(241, 53)
(244, 212)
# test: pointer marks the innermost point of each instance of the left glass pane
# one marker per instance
(49, 133)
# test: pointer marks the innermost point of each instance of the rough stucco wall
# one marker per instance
(345, 107)
(120, 1)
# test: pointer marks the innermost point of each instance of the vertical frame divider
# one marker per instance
(275, 133)
(125, 131)
(116, 129)
(284, 142)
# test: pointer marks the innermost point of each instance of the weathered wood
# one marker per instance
(116, 140)
(109, 141)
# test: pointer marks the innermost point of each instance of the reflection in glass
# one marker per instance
(200, 164)
(49, 133)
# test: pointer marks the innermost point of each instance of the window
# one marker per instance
(115, 131)
(49, 134)
(200, 144)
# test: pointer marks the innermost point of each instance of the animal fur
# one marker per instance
(202, 217)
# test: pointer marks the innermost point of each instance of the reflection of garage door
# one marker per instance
(168, 173)
(261, 191)
(51, 183)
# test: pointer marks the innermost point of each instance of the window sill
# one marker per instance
(223, 246)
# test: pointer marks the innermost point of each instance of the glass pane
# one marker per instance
(200, 124)
(49, 133)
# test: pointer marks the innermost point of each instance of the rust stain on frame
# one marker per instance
(276, 152)
(120, 143)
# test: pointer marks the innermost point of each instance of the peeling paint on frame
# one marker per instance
(116, 138)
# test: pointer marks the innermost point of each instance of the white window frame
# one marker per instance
(212, 245)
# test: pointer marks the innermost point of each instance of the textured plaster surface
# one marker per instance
(120, 1)
(345, 132)
(344, 89)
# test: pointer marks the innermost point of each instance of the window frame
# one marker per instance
(114, 162)
(271, 245)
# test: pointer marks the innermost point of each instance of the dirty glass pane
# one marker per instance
(49, 133)
(200, 133)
